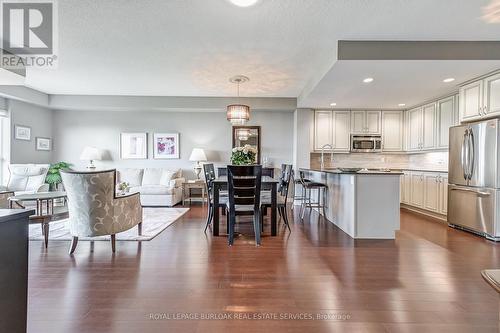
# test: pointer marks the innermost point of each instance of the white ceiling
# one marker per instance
(409, 82)
(192, 47)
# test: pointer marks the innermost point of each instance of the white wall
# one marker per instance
(73, 130)
(40, 120)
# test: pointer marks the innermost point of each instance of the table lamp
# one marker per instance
(91, 154)
(197, 155)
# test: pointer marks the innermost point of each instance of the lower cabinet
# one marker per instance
(425, 190)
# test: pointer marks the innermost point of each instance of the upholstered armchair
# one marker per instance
(27, 178)
(95, 210)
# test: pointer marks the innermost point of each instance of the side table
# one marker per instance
(188, 186)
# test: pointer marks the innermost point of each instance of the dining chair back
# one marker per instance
(221, 171)
(244, 184)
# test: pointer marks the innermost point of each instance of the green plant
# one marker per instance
(243, 155)
(54, 176)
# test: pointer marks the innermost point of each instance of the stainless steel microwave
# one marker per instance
(366, 143)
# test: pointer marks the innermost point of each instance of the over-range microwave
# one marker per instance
(366, 143)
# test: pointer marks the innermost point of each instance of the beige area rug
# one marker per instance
(155, 220)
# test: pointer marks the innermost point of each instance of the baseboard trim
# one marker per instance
(441, 218)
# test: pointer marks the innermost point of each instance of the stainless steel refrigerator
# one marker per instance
(474, 178)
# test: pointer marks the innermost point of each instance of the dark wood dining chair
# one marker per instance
(244, 183)
(221, 171)
(283, 187)
(209, 172)
(269, 172)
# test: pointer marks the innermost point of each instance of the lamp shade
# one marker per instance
(197, 155)
(91, 153)
(238, 114)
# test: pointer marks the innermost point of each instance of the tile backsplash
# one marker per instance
(434, 161)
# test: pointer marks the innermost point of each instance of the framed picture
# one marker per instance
(22, 132)
(133, 146)
(165, 145)
(43, 144)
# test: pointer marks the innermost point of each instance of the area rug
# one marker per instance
(155, 220)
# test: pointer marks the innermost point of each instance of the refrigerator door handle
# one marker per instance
(471, 153)
(482, 194)
(463, 155)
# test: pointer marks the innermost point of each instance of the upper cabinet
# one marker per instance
(392, 131)
(446, 117)
(366, 122)
(322, 129)
(428, 126)
(480, 99)
(332, 128)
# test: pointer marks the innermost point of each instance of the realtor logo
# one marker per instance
(28, 33)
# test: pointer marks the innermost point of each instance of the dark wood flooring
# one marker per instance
(427, 280)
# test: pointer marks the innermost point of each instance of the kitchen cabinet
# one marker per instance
(425, 190)
(417, 189)
(480, 99)
(446, 117)
(333, 128)
(392, 130)
(366, 122)
(428, 138)
(431, 192)
(414, 127)
(491, 95)
(341, 122)
(322, 129)
(443, 193)
(405, 183)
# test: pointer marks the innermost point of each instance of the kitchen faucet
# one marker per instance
(323, 153)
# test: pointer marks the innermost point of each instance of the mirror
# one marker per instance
(247, 135)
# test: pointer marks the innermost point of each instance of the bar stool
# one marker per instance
(308, 186)
(298, 183)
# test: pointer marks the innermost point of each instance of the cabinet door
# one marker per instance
(417, 189)
(431, 191)
(341, 131)
(443, 182)
(429, 126)
(358, 123)
(322, 129)
(373, 120)
(445, 113)
(471, 101)
(491, 97)
(414, 129)
(392, 130)
(407, 181)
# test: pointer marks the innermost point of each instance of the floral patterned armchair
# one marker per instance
(94, 208)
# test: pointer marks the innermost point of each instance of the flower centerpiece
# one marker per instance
(243, 155)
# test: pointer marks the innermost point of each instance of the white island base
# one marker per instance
(365, 205)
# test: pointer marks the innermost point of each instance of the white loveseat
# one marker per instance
(27, 178)
(157, 186)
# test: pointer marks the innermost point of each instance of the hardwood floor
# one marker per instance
(427, 280)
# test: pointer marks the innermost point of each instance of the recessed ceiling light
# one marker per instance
(401, 104)
(368, 80)
(244, 3)
(333, 104)
(448, 80)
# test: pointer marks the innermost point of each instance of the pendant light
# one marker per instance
(238, 114)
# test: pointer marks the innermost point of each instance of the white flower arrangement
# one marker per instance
(243, 155)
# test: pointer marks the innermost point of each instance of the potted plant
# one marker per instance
(245, 155)
(54, 176)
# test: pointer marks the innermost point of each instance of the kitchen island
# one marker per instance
(364, 204)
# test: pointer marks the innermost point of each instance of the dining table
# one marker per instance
(267, 184)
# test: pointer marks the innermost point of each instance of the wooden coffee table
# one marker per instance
(45, 212)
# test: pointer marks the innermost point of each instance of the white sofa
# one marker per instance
(157, 186)
(27, 178)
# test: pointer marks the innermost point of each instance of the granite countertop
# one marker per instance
(11, 214)
(361, 172)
